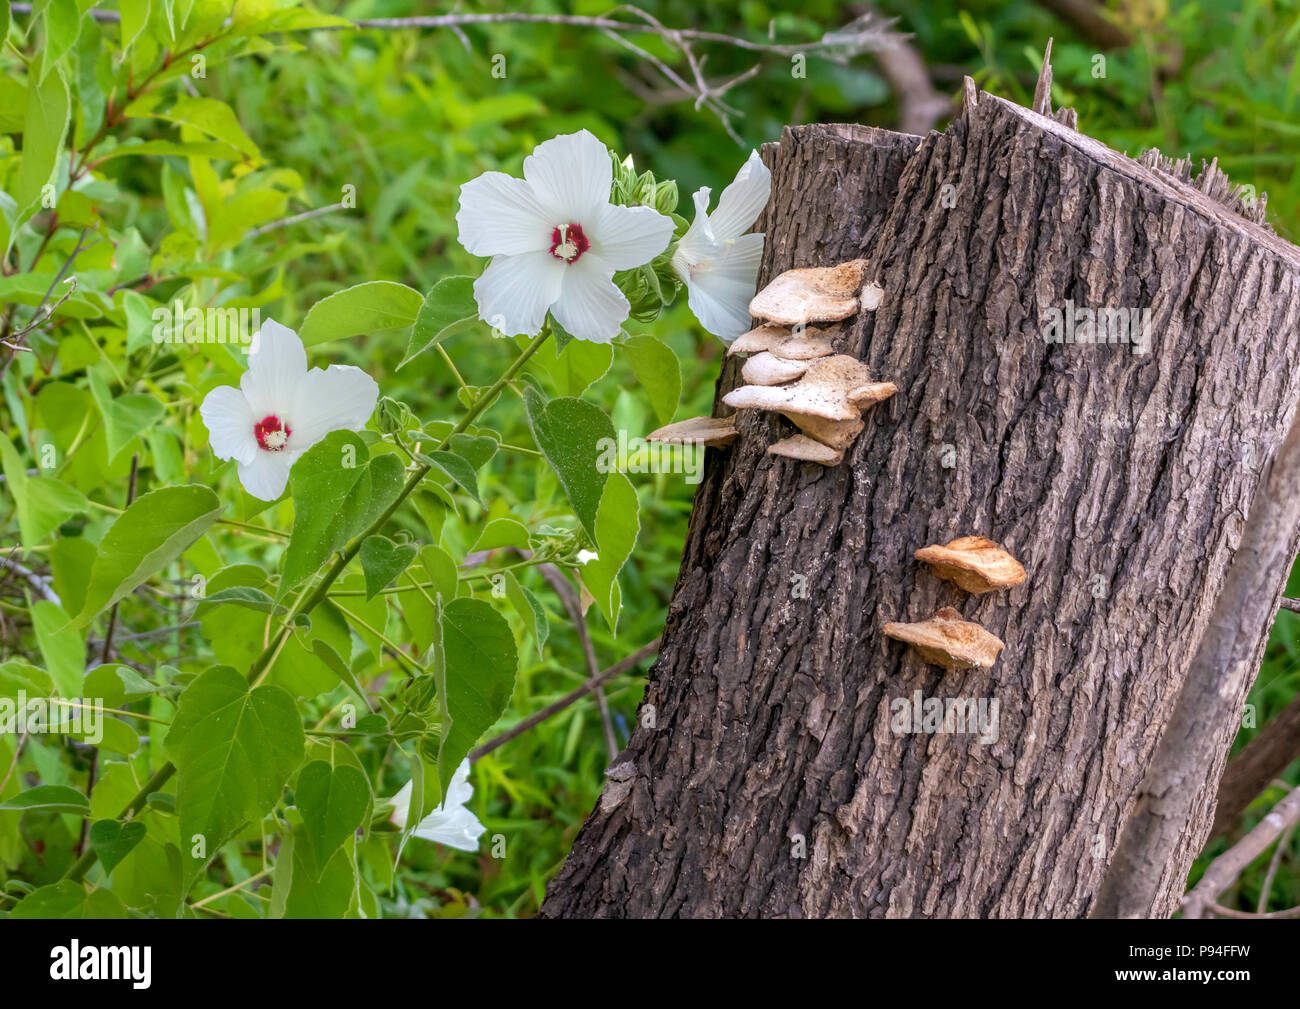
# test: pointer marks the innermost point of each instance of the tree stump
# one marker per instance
(764, 778)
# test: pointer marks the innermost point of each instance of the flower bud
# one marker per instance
(392, 416)
(665, 197)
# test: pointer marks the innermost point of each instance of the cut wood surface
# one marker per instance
(766, 777)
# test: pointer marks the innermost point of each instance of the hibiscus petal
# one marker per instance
(229, 420)
(571, 175)
(627, 237)
(276, 367)
(698, 243)
(514, 292)
(590, 306)
(719, 294)
(266, 476)
(458, 828)
(501, 215)
(743, 200)
(337, 398)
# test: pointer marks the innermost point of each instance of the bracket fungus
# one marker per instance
(801, 447)
(826, 403)
(765, 368)
(802, 345)
(949, 641)
(973, 563)
(812, 294)
(697, 431)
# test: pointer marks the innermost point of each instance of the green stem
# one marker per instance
(82, 865)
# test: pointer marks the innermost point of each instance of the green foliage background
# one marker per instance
(403, 118)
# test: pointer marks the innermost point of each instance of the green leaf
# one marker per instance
(481, 662)
(115, 685)
(502, 532)
(382, 560)
(124, 417)
(207, 115)
(43, 129)
(334, 802)
(62, 647)
(448, 307)
(234, 750)
(52, 798)
(323, 895)
(617, 525)
(336, 493)
(67, 899)
(62, 26)
(577, 366)
(475, 450)
(135, 17)
(569, 433)
(529, 608)
(156, 529)
(376, 306)
(456, 467)
(43, 503)
(339, 667)
(656, 368)
(113, 840)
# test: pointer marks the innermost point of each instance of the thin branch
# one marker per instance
(1261, 760)
(37, 582)
(859, 36)
(1212, 692)
(555, 578)
(295, 219)
(1225, 869)
(618, 669)
(104, 654)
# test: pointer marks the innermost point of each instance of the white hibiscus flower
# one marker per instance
(281, 409)
(451, 823)
(717, 260)
(556, 240)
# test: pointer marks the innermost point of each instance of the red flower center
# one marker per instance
(568, 242)
(271, 433)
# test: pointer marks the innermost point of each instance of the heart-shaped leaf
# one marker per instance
(382, 561)
(333, 802)
(572, 435)
(113, 840)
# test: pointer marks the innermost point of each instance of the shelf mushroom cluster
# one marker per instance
(977, 565)
(792, 368)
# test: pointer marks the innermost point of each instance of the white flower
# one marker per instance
(587, 556)
(717, 260)
(451, 823)
(281, 409)
(556, 240)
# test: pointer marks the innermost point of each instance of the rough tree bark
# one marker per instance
(1121, 480)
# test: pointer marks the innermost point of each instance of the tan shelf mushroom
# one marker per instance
(765, 368)
(949, 641)
(834, 388)
(826, 402)
(805, 345)
(799, 446)
(973, 563)
(697, 431)
(812, 294)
